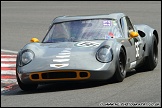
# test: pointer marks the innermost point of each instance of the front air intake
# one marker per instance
(59, 75)
(83, 74)
(54, 75)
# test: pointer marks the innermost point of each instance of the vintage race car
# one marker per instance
(87, 48)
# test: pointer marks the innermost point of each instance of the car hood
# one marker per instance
(65, 55)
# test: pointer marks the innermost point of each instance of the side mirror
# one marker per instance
(133, 34)
(34, 40)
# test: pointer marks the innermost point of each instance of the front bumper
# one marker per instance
(65, 75)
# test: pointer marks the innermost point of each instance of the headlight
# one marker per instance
(26, 57)
(104, 54)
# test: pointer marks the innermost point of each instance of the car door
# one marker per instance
(138, 42)
(135, 44)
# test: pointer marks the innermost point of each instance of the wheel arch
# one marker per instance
(125, 54)
(153, 35)
(156, 35)
(119, 75)
(117, 50)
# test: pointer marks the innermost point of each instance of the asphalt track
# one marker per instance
(20, 21)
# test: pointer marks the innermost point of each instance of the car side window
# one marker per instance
(123, 24)
(126, 25)
(129, 24)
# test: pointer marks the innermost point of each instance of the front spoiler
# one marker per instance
(67, 75)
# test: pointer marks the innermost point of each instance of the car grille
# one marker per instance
(59, 75)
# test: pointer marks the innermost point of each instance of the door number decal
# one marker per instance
(137, 49)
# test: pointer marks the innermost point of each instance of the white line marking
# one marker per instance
(2, 89)
(8, 81)
(8, 59)
(63, 56)
(64, 53)
(8, 56)
(60, 60)
(9, 51)
(12, 72)
(8, 65)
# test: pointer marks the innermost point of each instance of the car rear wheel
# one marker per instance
(120, 72)
(151, 60)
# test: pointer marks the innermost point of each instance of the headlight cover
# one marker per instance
(26, 57)
(104, 54)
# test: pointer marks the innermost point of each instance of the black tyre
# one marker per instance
(120, 72)
(151, 60)
(26, 87)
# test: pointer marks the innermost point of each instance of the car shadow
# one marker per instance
(62, 86)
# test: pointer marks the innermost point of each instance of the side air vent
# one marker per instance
(141, 33)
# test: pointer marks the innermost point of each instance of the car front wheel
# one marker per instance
(26, 87)
(120, 72)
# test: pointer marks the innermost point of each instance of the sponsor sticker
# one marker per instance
(107, 23)
(111, 34)
(133, 64)
(107, 37)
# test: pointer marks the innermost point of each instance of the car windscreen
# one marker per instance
(81, 30)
